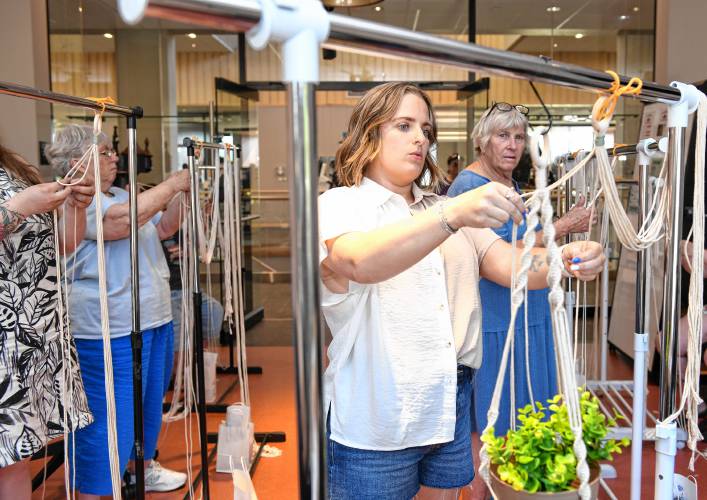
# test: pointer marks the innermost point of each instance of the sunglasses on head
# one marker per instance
(504, 106)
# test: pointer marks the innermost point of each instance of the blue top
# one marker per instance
(496, 299)
(84, 307)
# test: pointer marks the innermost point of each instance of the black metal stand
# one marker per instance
(196, 320)
(136, 336)
(201, 406)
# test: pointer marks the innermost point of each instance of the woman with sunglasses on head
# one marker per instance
(499, 140)
(399, 268)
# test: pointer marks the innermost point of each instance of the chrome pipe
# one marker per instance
(642, 261)
(671, 292)
(353, 34)
(45, 95)
(308, 334)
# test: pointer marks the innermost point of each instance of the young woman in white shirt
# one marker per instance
(400, 269)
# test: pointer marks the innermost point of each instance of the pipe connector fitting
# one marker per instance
(301, 26)
(644, 152)
(678, 112)
(132, 11)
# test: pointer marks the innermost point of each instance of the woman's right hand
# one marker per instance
(490, 205)
(39, 198)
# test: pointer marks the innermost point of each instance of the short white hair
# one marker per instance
(493, 120)
(71, 142)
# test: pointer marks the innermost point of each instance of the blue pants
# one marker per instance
(92, 463)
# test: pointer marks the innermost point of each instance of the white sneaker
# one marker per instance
(158, 478)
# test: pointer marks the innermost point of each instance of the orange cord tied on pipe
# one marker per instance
(605, 110)
(102, 101)
(613, 151)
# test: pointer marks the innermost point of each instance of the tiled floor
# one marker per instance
(273, 409)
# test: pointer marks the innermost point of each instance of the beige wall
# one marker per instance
(24, 60)
(145, 64)
(681, 40)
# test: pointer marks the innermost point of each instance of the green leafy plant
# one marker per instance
(538, 457)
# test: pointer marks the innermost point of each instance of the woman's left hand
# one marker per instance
(578, 219)
(82, 193)
(584, 260)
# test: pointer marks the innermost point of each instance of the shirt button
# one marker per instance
(441, 307)
(439, 271)
(449, 344)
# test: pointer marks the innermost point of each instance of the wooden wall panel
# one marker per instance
(87, 74)
(93, 74)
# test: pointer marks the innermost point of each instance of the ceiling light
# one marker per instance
(636, 9)
(108, 35)
(193, 45)
(623, 18)
(191, 35)
(554, 45)
(80, 9)
(554, 8)
(579, 35)
(378, 8)
(349, 3)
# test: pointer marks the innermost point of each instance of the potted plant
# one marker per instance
(536, 460)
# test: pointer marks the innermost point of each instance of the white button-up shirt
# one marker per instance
(391, 379)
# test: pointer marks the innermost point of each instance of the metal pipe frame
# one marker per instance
(196, 319)
(352, 34)
(308, 331)
(45, 95)
(628, 149)
(191, 143)
(135, 334)
(671, 303)
(640, 337)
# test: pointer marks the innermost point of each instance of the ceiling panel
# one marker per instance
(527, 17)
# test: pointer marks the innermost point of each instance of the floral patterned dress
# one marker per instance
(32, 366)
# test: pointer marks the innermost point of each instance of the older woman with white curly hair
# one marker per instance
(159, 217)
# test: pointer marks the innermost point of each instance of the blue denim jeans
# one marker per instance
(398, 475)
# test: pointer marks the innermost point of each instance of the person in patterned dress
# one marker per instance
(40, 381)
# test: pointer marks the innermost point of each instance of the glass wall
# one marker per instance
(172, 69)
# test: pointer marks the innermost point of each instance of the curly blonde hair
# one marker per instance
(363, 139)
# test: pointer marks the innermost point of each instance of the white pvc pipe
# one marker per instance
(640, 349)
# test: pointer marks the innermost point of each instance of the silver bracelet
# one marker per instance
(443, 220)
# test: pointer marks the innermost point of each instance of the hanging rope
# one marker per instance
(517, 296)
(90, 159)
(561, 333)
(66, 358)
(567, 381)
(690, 398)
